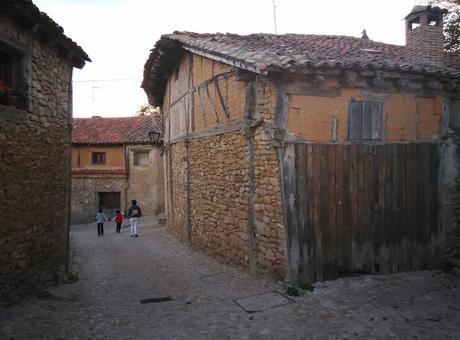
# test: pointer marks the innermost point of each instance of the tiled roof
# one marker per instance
(264, 53)
(31, 17)
(123, 130)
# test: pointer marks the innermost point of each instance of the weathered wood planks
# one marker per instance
(361, 208)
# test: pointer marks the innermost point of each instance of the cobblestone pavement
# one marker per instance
(210, 300)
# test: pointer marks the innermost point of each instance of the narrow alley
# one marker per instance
(154, 287)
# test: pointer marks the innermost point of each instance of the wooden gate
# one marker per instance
(361, 208)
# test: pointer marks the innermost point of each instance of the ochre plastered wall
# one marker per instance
(187, 103)
(406, 117)
(232, 91)
(115, 157)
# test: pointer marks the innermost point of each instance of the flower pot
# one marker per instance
(4, 98)
(13, 100)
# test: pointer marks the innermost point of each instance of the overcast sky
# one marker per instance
(118, 34)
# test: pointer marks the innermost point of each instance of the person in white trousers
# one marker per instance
(134, 212)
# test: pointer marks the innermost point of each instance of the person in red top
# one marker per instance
(118, 218)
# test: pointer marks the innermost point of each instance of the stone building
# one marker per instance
(312, 156)
(116, 160)
(36, 63)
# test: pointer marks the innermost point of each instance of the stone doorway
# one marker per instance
(109, 202)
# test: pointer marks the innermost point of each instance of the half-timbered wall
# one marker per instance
(306, 178)
(325, 118)
(218, 95)
(396, 130)
(223, 189)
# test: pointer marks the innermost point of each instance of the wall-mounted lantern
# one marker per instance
(154, 136)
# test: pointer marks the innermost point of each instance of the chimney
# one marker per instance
(424, 34)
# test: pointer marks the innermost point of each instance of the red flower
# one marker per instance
(4, 89)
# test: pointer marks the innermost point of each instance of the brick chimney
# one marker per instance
(424, 36)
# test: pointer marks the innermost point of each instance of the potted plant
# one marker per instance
(4, 92)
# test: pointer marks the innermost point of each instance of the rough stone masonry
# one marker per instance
(35, 149)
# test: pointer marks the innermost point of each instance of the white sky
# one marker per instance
(118, 34)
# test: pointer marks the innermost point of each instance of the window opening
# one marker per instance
(142, 158)
(98, 158)
(365, 120)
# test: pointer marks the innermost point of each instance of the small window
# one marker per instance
(98, 157)
(6, 67)
(13, 76)
(142, 158)
(414, 23)
(433, 20)
(365, 120)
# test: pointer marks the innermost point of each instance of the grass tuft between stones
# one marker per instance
(71, 277)
(294, 290)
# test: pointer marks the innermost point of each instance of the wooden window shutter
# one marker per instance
(365, 120)
(354, 120)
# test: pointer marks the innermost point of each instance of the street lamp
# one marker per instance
(154, 136)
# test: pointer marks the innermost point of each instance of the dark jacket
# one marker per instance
(134, 211)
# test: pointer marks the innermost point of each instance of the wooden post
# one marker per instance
(251, 216)
(189, 114)
(290, 209)
(188, 206)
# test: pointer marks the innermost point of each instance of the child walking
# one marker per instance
(134, 212)
(118, 218)
(100, 217)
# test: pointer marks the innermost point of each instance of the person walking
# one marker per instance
(134, 212)
(100, 218)
(118, 218)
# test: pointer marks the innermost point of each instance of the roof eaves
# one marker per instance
(239, 63)
(40, 23)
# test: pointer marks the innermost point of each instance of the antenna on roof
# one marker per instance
(92, 93)
(274, 16)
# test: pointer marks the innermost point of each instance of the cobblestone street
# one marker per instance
(209, 300)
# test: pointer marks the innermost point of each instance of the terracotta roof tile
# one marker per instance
(263, 53)
(27, 12)
(123, 130)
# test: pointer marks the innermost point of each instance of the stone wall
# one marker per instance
(219, 196)
(177, 219)
(219, 192)
(35, 170)
(85, 200)
(268, 206)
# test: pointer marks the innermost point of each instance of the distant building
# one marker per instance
(116, 160)
(311, 156)
(36, 65)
